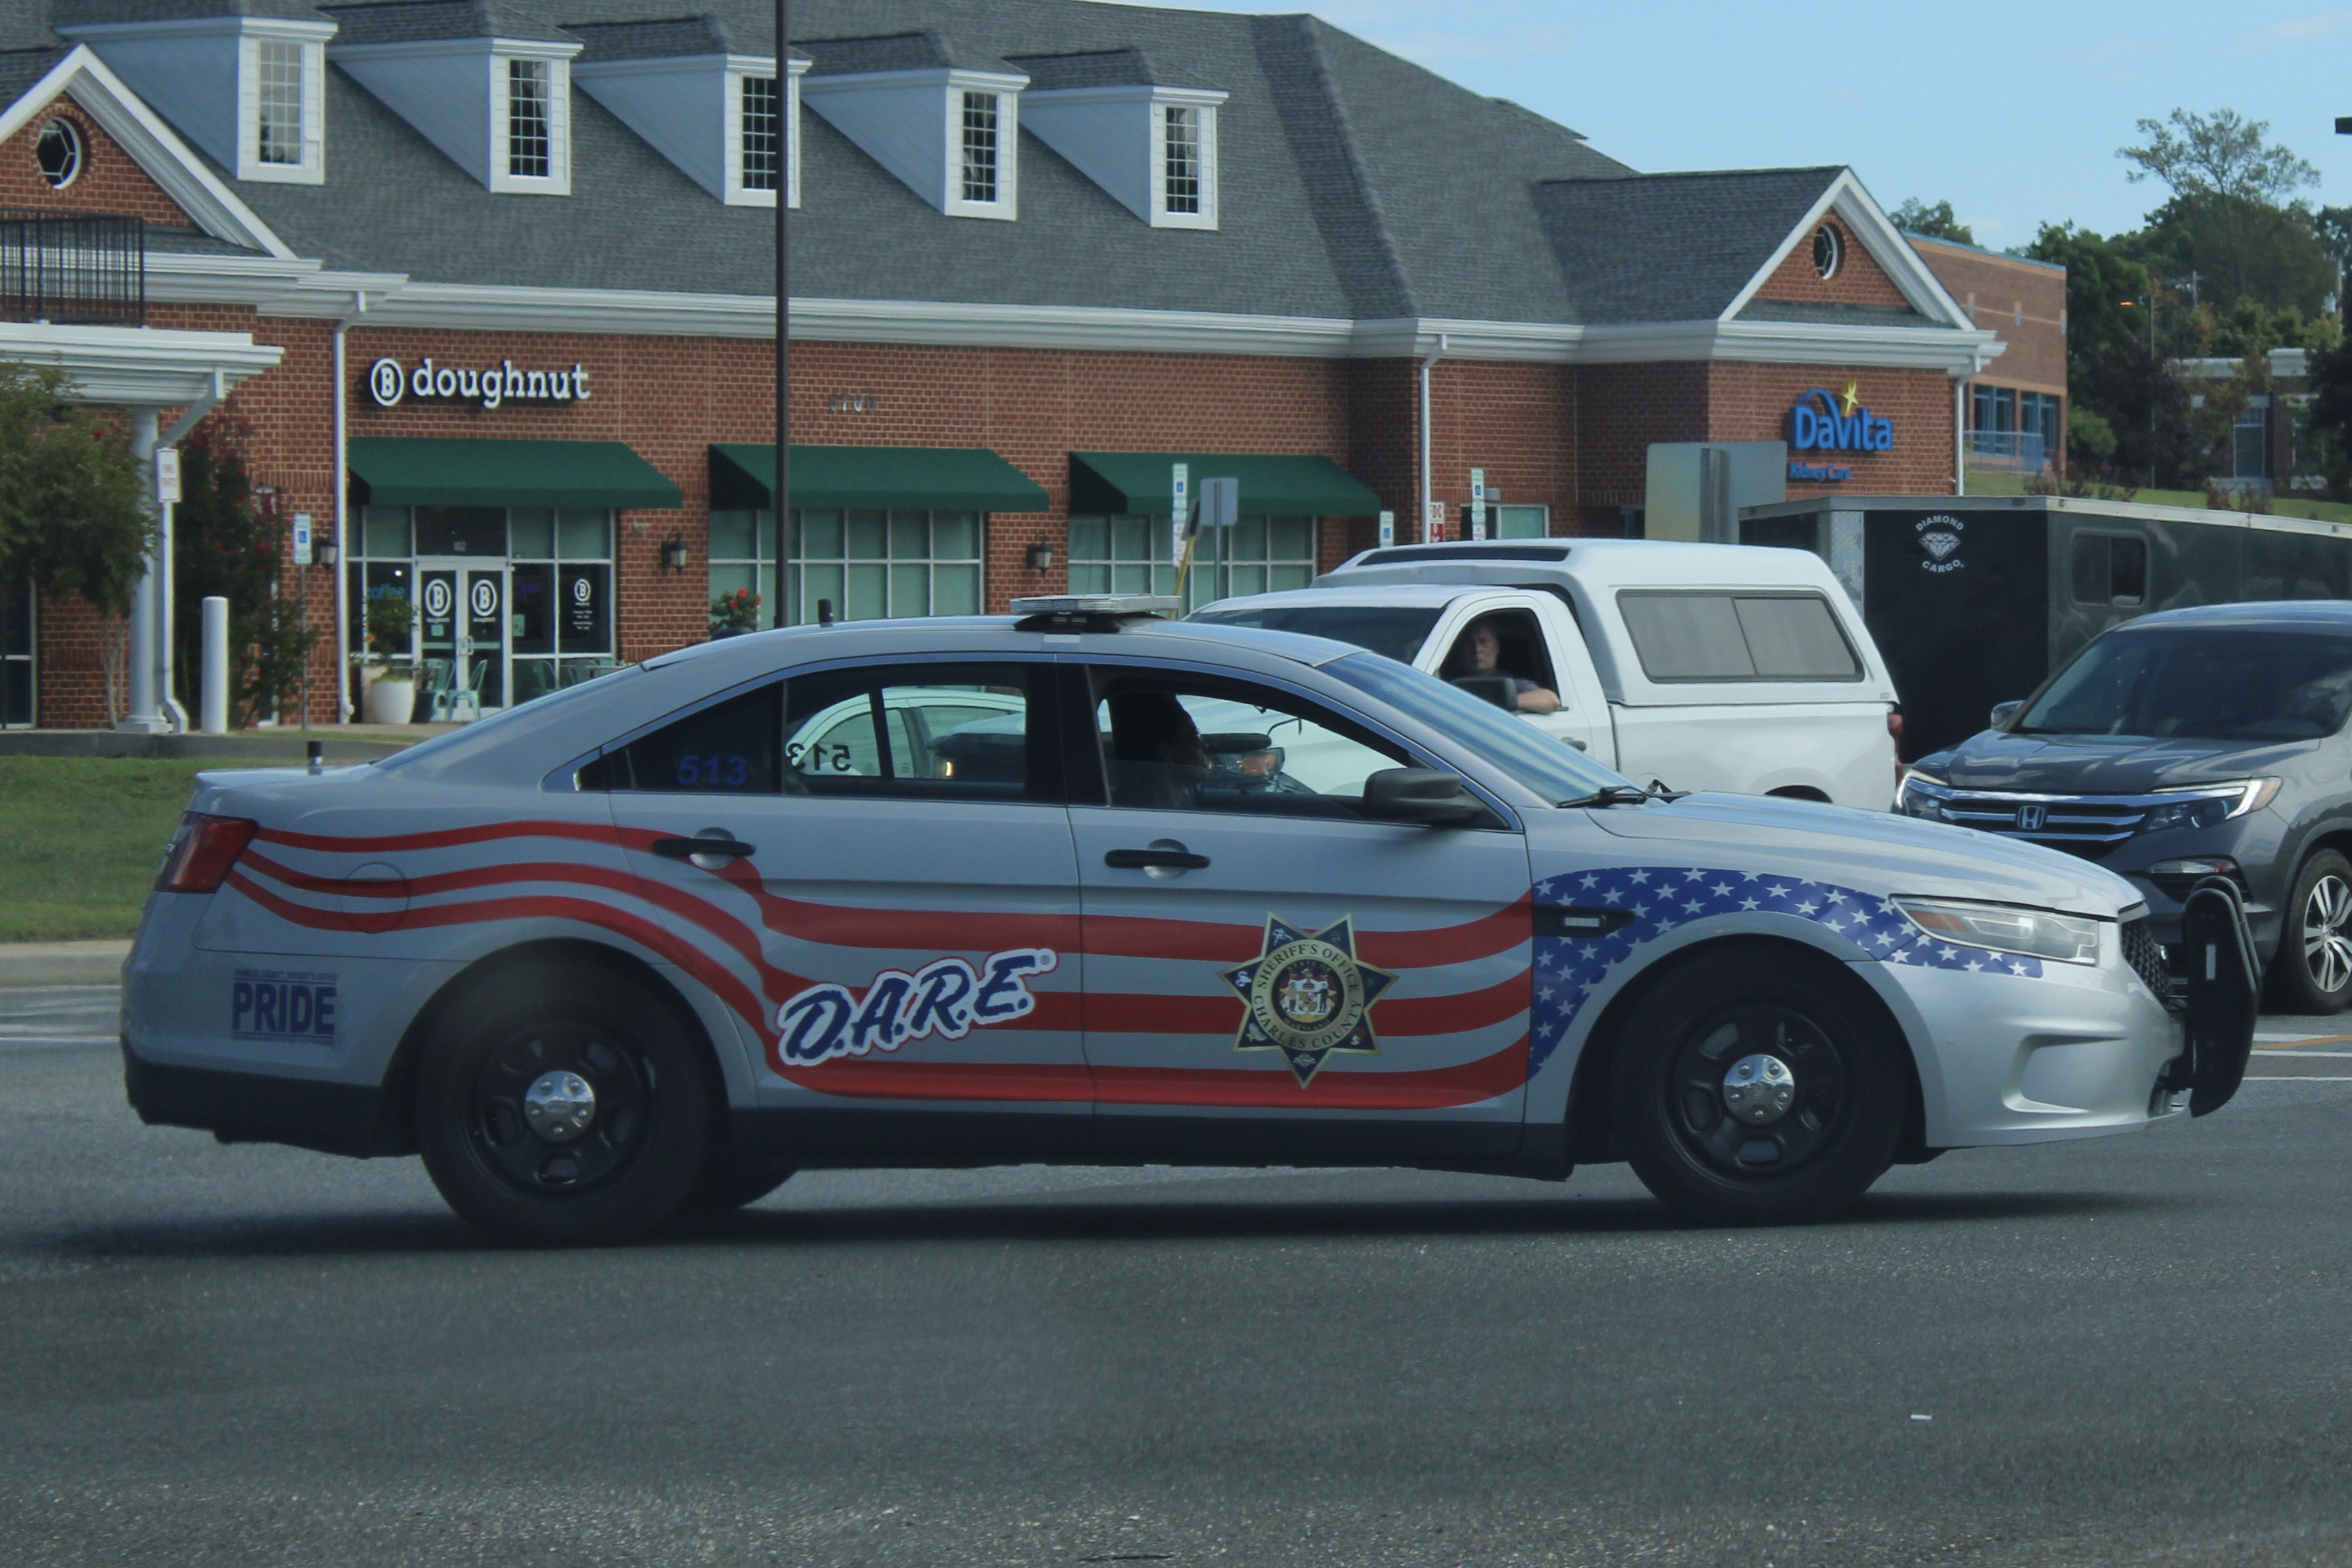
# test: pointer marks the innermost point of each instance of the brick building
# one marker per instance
(2017, 406)
(511, 263)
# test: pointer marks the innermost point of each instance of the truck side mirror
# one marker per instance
(2002, 713)
(1499, 689)
(1427, 796)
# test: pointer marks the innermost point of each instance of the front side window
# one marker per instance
(1182, 742)
(1181, 162)
(1550, 767)
(763, 139)
(278, 138)
(949, 732)
(979, 146)
(1737, 637)
(528, 144)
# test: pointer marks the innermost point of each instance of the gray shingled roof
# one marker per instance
(1672, 247)
(1101, 67)
(91, 13)
(1353, 184)
(424, 21)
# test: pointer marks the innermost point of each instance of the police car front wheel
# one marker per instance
(574, 1109)
(1759, 1087)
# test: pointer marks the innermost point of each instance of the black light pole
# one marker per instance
(786, 131)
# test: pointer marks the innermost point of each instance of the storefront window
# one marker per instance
(1522, 522)
(872, 564)
(1137, 555)
(743, 558)
(16, 656)
(512, 603)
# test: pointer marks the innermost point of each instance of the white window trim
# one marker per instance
(311, 36)
(738, 68)
(1204, 104)
(557, 181)
(1118, 177)
(1007, 204)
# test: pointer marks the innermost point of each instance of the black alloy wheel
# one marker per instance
(2314, 966)
(1759, 1086)
(570, 1109)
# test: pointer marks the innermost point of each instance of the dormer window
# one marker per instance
(278, 132)
(528, 136)
(763, 138)
(499, 106)
(979, 146)
(944, 119)
(725, 118)
(1180, 158)
(248, 90)
(1142, 135)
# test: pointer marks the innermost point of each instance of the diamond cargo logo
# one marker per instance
(1939, 541)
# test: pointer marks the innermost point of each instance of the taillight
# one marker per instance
(1895, 723)
(203, 851)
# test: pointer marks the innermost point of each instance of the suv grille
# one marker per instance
(2087, 825)
(2146, 955)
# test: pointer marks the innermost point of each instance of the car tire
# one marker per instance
(574, 1110)
(1801, 1146)
(2315, 937)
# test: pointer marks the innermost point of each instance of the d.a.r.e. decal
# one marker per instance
(1307, 995)
(948, 998)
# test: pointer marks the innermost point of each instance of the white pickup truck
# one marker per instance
(1697, 667)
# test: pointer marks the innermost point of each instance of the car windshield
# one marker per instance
(1544, 763)
(1393, 631)
(2200, 683)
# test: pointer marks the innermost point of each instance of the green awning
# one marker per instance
(419, 470)
(1274, 485)
(916, 478)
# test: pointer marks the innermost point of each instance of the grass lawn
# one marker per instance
(80, 838)
(2281, 506)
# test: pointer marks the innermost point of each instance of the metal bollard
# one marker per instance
(212, 700)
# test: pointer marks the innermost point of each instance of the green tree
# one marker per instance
(224, 544)
(2232, 224)
(1936, 221)
(73, 512)
(2218, 154)
(2113, 369)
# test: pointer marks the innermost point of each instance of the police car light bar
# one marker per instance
(1092, 612)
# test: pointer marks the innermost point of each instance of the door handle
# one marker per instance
(1145, 860)
(694, 849)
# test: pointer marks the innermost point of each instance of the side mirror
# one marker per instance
(1499, 689)
(2002, 713)
(1427, 796)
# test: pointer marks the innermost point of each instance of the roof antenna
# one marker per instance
(825, 612)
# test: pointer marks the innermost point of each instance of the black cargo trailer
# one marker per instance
(1974, 599)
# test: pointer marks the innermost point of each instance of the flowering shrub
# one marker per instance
(735, 611)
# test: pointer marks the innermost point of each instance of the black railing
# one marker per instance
(87, 269)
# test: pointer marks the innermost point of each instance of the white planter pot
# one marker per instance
(389, 701)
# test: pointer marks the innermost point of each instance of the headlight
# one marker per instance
(2003, 928)
(2208, 806)
(1921, 795)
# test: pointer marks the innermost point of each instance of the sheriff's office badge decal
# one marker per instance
(1307, 996)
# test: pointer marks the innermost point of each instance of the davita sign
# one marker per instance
(1822, 421)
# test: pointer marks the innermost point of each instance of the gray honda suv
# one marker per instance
(2181, 745)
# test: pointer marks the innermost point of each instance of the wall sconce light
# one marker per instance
(325, 554)
(674, 553)
(1041, 557)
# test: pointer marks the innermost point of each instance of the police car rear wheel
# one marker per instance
(570, 1112)
(1756, 1088)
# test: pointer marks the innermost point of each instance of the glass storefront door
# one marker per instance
(461, 636)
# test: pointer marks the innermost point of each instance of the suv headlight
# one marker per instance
(1922, 794)
(2208, 806)
(2005, 928)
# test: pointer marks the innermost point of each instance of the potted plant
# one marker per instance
(390, 694)
(732, 614)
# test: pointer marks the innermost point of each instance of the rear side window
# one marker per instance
(935, 731)
(1737, 637)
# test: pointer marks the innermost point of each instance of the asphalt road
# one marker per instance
(2125, 1350)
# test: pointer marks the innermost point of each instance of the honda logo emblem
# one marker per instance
(2030, 817)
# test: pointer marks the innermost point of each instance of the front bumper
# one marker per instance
(2006, 1058)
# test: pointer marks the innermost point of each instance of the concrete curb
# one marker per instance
(62, 963)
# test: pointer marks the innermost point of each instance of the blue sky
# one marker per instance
(2011, 112)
